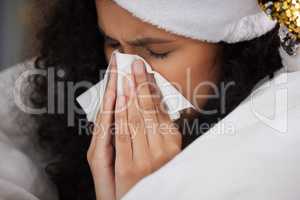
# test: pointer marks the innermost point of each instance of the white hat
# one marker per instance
(214, 21)
(207, 20)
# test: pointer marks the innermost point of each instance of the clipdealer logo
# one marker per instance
(269, 103)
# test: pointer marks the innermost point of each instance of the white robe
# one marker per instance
(254, 153)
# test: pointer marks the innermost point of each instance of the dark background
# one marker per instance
(17, 31)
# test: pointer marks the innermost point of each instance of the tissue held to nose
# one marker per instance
(174, 101)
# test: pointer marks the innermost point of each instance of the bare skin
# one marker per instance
(142, 145)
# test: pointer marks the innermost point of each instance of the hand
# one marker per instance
(142, 145)
(100, 154)
(145, 137)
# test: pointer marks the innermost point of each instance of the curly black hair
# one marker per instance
(70, 40)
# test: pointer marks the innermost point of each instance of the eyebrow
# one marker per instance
(140, 41)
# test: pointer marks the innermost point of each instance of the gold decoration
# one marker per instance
(287, 14)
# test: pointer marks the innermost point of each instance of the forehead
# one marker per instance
(116, 21)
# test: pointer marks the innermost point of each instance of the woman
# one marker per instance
(78, 40)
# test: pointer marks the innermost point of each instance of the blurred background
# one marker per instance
(17, 31)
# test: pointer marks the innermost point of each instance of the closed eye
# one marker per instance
(158, 55)
(115, 44)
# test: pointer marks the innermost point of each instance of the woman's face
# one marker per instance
(189, 64)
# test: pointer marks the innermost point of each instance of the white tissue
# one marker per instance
(91, 100)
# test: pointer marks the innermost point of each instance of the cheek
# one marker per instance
(108, 52)
(192, 76)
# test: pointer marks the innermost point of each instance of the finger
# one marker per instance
(140, 149)
(161, 114)
(169, 130)
(157, 98)
(122, 136)
(142, 87)
(100, 152)
(145, 99)
(102, 131)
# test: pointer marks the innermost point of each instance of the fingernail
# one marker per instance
(121, 101)
(127, 84)
(130, 82)
(138, 67)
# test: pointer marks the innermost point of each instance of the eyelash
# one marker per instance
(158, 55)
(153, 54)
